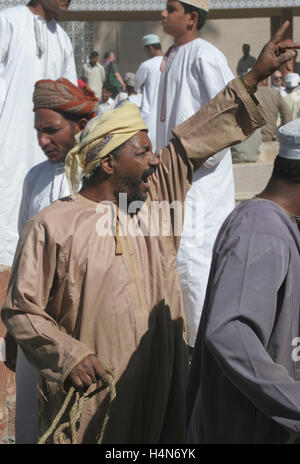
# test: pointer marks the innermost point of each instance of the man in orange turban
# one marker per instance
(61, 111)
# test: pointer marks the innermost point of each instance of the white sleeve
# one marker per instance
(140, 77)
(5, 39)
(70, 68)
(24, 211)
(214, 75)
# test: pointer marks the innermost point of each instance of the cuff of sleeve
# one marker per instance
(252, 105)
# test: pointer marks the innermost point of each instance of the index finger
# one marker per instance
(287, 44)
(279, 33)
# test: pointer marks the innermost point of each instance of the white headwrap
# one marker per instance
(203, 4)
(289, 139)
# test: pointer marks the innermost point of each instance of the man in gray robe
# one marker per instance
(244, 384)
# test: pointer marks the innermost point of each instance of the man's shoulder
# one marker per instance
(36, 170)
(14, 14)
(62, 212)
(151, 61)
(56, 218)
(51, 223)
(151, 65)
(208, 50)
(260, 217)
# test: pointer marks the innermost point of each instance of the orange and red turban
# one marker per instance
(64, 97)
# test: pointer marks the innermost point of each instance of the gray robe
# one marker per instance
(244, 385)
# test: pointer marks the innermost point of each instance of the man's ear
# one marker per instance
(108, 164)
(193, 21)
(81, 124)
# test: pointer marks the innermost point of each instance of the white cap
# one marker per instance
(289, 139)
(130, 79)
(151, 39)
(292, 80)
(203, 4)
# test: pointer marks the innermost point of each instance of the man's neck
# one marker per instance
(37, 9)
(97, 194)
(189, 36)
(156, 53)
(284, 195)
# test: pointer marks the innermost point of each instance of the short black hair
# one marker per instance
(202, 14)
(156, 46)
(94, 54)
(75, 117)
(287, 170)
(106, 55)
(130, 88)
(108, 86)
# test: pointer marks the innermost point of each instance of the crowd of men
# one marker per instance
(126, 252)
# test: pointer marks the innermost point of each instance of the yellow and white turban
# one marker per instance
(101, 137)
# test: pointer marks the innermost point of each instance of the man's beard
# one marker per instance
(131, 186)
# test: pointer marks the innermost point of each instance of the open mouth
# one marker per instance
(146, 180)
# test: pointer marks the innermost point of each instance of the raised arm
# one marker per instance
(227, 119)
(234, 113)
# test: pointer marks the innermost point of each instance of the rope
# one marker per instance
(113, 394)
(59, 436)
(51, 429)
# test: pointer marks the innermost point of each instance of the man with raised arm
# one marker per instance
(95, 284)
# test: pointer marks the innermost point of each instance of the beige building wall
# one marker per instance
(226, 34)
(125, 38)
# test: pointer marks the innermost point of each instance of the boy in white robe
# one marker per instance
(147, 80)
(32, 47)
(193, 72)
